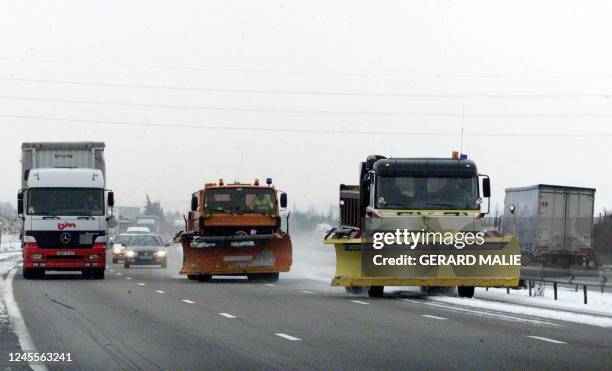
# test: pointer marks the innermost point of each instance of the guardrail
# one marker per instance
(602, 282)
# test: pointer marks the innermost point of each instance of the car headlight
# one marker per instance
(160, 253)
(130, 254)
(117, 250)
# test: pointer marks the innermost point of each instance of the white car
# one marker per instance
(138, 230)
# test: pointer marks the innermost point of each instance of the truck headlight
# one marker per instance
(117, 250)
(130, 254)
(36, 256)
(93, 256)
(160, 253)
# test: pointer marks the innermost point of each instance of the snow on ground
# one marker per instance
(8, 261)
(528, 310)
(9, 242)
(567, 299)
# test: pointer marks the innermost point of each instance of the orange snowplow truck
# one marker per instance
(235, 229)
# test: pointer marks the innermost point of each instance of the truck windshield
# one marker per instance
(65, 201)
(431, 193)
(240, 200)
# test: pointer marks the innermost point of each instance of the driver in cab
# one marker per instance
(261, 203)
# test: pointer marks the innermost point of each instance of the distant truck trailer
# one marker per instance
(554, 224)
(148, 221)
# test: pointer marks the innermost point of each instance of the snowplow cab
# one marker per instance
(235, 229)
(435, 196)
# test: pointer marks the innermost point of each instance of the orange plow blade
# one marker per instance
(236, 255)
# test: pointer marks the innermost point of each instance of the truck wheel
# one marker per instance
(115, 260)
(164, 264)
(33, 273)
(376, 291)
(126, 265)
(98, 274)
(271, 277)
(204, 277)
(86, 273)
(192, 277)
(466, 291)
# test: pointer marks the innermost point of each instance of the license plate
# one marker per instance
(65, 253)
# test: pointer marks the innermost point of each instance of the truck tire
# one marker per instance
(192, 277)
(204, 277)
(263, 277)
(376, 291)
(164, 264)
(466, 291)
(33, 273)
(126, 265)
(115, 260)
(98, 274)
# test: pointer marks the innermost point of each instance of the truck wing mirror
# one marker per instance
(283, 200)
(194, 203)
(111, 199)
(20, 203)
(486, 187)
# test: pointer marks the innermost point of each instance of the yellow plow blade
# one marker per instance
(493, 266)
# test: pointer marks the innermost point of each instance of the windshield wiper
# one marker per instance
(213, 211)
(397, 205)
(50, 216)
(439, 204)
(88, 217)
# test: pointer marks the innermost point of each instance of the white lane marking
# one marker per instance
(160, 291)
(270, 285)
(484, 313)
(141, 284)
(307, 292)
(547, 339)
(434, 317)
(227, 315)
(128, 278)
(288, 337)
(17, 323)
(188, 301)
(360, 302)
(119, 274)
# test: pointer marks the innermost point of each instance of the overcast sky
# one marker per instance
(158, 81)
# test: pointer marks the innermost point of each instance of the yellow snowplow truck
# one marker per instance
(423, 218)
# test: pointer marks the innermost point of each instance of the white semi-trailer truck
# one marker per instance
(554, 224)
(64, 207)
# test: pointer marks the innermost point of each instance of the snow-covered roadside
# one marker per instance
(527, 310)
(8, 261)
(10, 242)
(567, 299)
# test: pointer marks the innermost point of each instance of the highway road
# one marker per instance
(151, 318)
